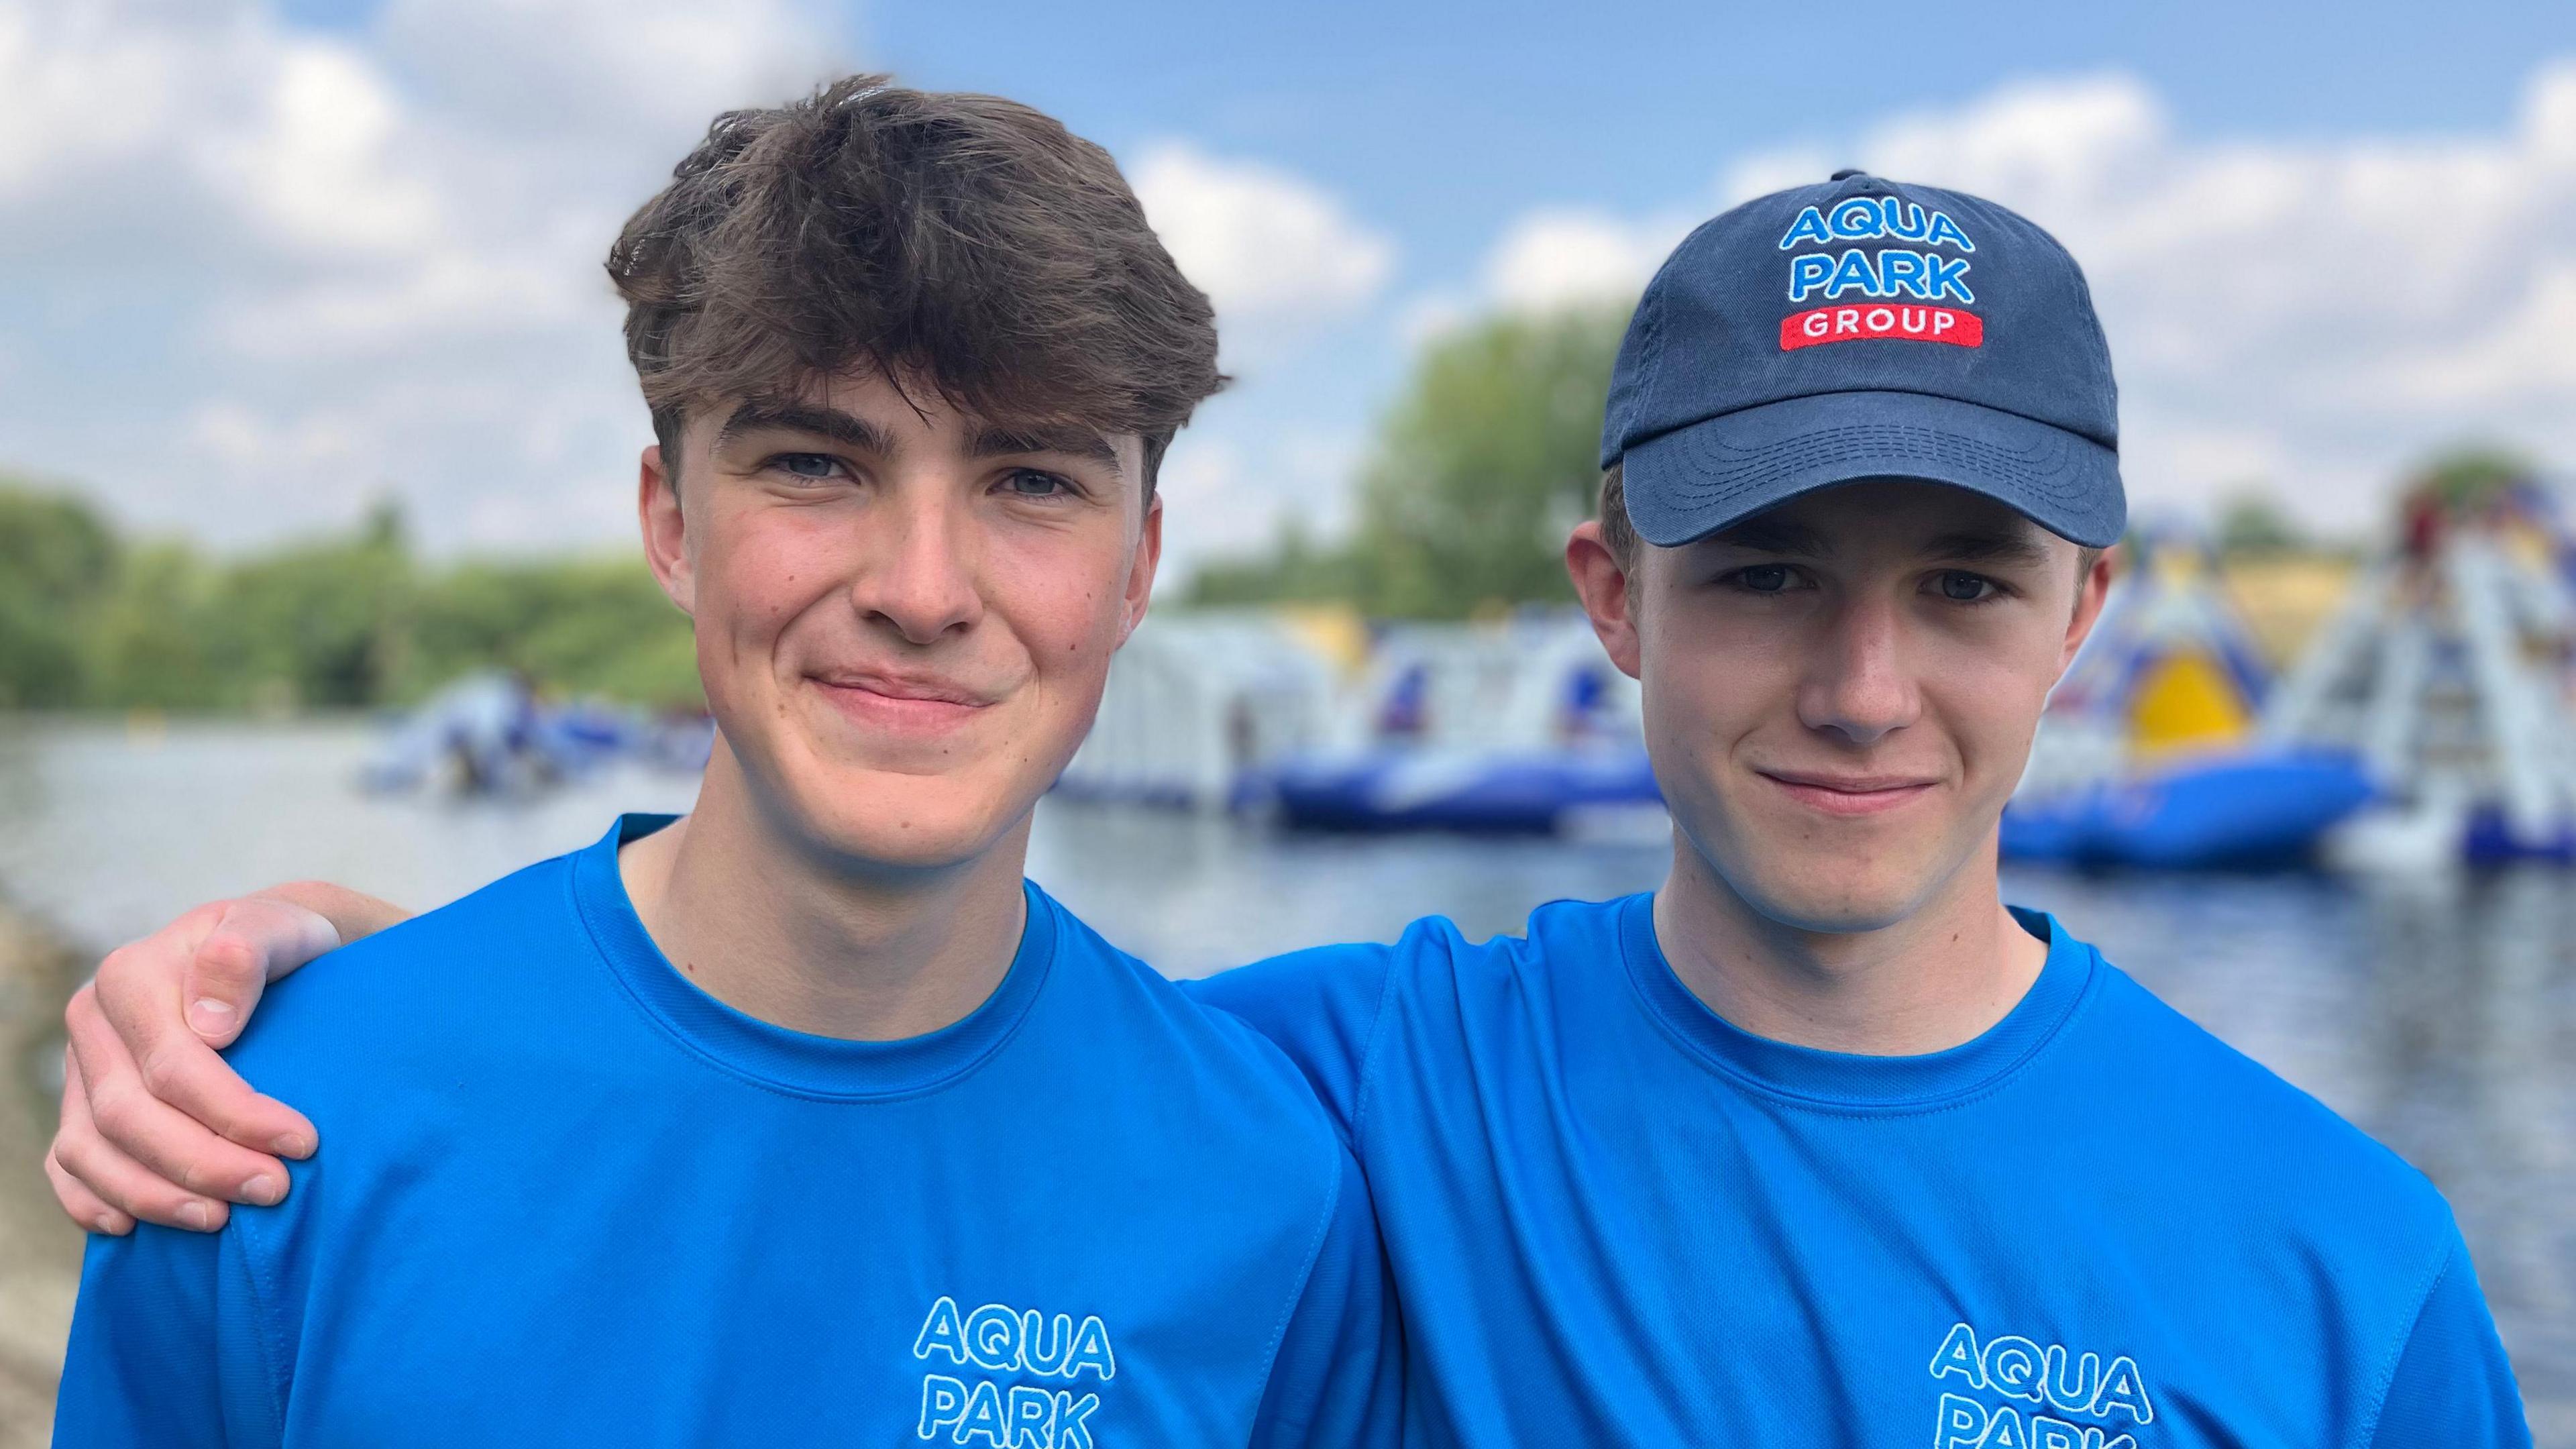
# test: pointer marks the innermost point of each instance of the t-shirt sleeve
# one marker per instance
(1321, 1007)
(1338, 1377)
(166, 1347)
(2453, 1384)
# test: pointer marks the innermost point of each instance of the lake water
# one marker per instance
(2439, 1013)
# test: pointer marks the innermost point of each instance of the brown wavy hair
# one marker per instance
(963, 241)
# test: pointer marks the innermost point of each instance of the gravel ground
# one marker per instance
(39, 1250)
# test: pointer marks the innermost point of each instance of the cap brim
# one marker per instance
(1693, 481)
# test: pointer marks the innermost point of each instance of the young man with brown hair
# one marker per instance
(804, 1119)
(1819, 1143)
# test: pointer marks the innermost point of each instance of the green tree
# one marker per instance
(1479, 471)
(344, 621)
(582, 626)
(157, 640)
(2252, 522)
(320, 624)
(1297, 570)
(2468, 479)
(57, 559)
(1486, 462)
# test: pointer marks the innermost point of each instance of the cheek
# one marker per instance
(1708, 682)
(1064, 598)
(1990, 694)
(760, 570)
(1723, 663)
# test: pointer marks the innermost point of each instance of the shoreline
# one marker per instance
(40, 1250)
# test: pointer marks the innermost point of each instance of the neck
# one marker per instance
(778, 930)
(1939, 977)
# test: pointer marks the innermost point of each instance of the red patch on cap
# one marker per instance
(1884, 321)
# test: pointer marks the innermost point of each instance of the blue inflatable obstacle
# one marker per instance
(1482, 791)
(2254, 809)
(488, 734)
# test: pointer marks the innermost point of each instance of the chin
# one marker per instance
(902, 821)
(916, 821)
(1828, 896)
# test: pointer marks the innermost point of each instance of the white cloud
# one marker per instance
(1562, 256)
(289, 272)
(666, 68)
(1269, 248)
(1229, 493)
(2317, 314)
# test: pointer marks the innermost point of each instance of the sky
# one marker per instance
(263, 262)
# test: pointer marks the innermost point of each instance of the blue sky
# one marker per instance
(368, 269)
(1443, 120)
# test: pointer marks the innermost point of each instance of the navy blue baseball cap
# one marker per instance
(1864, 328)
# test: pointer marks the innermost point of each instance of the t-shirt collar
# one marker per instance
(1850, 1080)
(800, 1062)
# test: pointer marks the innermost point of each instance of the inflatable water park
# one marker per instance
(1513, 726)
(491, 735)
(2429, 722)
(2447, 676)
(2152, 753)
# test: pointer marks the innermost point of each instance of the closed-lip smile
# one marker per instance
(1839, 794)
(899, 699)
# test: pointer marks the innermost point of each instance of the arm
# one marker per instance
(167, 1348)
(1338, 1377)
(154, 1125)
(1320, 1006)
(2453, 1384)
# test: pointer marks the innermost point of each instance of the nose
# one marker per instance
(920, 579)
(1857, 685)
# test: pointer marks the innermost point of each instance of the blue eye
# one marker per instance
(1031, 483)
(1965, 588)
(813, 466)
(1764, 578)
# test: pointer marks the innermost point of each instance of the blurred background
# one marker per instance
(317, 448)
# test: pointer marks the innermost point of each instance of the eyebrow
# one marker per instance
(1071, 440)
(847, 429)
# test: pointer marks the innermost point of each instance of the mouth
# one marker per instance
(905, 703)
(1846, 795)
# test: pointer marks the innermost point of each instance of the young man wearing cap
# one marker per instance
(1819, 1142)
(805, 1120)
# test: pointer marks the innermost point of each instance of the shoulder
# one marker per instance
(2251, 1138)
(1171, 1037)
(444, 980)
(1565, 945)
(1433, 959)
(1335, 1009)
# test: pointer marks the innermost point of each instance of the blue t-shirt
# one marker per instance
(1615, 1218)
(569, 1198)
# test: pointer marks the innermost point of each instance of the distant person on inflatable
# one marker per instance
(1819, 1143)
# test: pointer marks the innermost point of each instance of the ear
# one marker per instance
(2090, 592)
(666, 530)
(1603, 587)
(1140, 570)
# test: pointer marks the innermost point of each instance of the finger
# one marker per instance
(126, 1186)
(253, 942)
(84, 1206)
(127, 1112)
(173, 1064)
